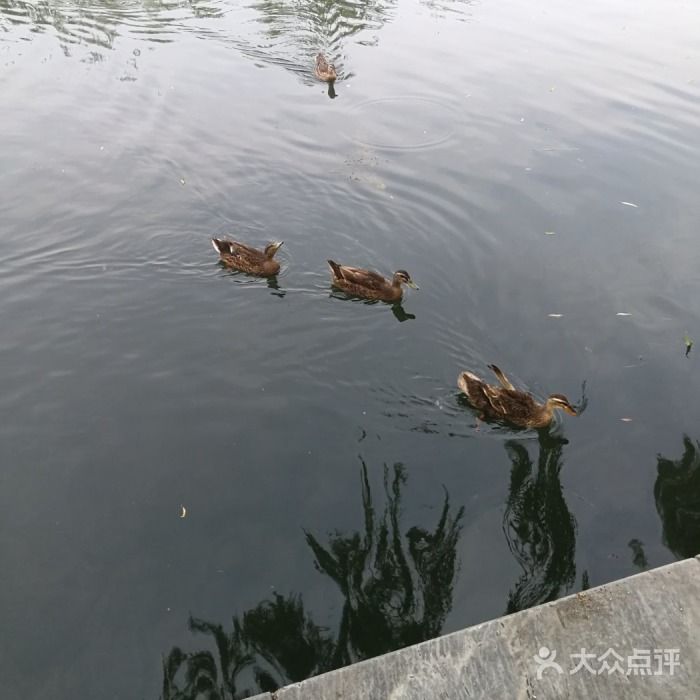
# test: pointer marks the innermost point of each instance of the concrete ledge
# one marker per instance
(642, 617)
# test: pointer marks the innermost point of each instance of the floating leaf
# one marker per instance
(688, 344)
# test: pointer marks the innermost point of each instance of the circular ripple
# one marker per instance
(402, 122)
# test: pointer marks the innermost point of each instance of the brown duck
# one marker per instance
(323, 70)
(368, 284)
(246, 259)
(508, 404)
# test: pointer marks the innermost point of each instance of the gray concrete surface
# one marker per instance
(652, 613)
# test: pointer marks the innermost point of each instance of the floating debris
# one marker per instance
(183, 513)
(182, 180)
(555, 315)
(626, 420)
(550, 233)
(622, 313)
(630, 204)
(688, 344)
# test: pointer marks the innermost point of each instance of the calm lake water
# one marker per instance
(534, 166)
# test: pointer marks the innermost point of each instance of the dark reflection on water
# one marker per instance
(396, 585)
(639, 558)
(397, 308)
(538, 525)
(677, 494)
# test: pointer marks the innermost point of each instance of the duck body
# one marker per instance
(247, 259)
(508, 404)
(323, 70)
(369, 284)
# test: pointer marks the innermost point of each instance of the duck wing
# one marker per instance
(514, 406)
(360, 277)
(247, 251)
(237, 250)
(495, 401)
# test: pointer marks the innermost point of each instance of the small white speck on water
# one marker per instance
(622, 313)
(555, 315)
(630, 204)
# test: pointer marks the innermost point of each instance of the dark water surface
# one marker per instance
(534, 166)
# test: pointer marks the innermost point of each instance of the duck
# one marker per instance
(368, 284)
(324, 71)
(508, 404)
(247, 259)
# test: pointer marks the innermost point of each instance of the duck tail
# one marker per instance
(221, 246)
(505, 382)
(467, 381)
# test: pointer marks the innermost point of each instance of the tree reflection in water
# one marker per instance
(292, 32)
(397, 590)
(677, 495)
(539, 528)
(99, 24)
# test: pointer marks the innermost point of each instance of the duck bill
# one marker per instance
(412, 285)
(570, 410)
